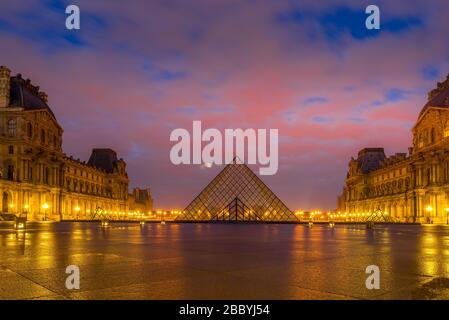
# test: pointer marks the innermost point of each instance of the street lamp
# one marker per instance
(447, 215)
(45, 206)
(77, 210)
(429, 209)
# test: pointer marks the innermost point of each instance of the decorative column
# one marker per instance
(4, 86)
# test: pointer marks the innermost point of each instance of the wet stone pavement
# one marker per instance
(222, 261)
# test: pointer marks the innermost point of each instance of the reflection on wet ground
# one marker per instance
(222, 261)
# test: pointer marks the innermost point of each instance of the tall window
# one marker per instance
(29, 130)
(10, 172)
(47, 176)
(446, 130)
(42, 136)
(420, 140)
(432, 135)
(12, 127)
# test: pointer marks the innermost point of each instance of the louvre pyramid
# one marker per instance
(236, 194)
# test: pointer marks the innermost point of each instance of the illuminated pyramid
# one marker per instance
(236, 194)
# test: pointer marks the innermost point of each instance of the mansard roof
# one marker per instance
(103, 158)
(438, 97)
(24, 94)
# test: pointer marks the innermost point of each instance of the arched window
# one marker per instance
(29, 130)
(12, 127)
(446, 130)
(420, 140)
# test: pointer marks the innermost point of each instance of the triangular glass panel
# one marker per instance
(238, 194)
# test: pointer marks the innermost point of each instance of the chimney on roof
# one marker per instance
(4, 86)
(43, 96)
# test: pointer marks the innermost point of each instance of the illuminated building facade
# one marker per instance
(237, 194)
(37, 178)
(411, 187)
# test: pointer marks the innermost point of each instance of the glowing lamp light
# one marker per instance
(19, 225)
(11, 205)
(26, 206)
(77, 208)
(45, 206)
(429, 208)
(105, 223)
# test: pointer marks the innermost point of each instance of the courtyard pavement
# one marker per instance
(223, 261)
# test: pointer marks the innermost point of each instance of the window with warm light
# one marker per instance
(446, 130)
(12, 124)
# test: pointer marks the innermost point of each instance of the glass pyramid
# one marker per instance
(237, 194)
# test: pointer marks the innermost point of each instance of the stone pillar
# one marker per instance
(4, 86)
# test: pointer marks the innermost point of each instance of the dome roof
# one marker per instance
(24, 94)
(438, 97)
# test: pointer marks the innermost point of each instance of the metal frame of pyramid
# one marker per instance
(378, 215)
(236, 194)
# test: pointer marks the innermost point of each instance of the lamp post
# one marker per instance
(447, 215)
(45, 206)
(429, 209)
(77, 210)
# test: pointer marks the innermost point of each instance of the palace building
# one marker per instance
(408, 187)
(38, 179)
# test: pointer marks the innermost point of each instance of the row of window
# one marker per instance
(85, 187)
(428, 137)
(85, 174)
(10, 174)
(45, 137)
(391, 174)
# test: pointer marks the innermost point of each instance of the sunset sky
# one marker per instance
(136, 70)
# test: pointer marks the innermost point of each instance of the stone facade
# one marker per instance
(37, 178)
(140, 200)
(409, 187)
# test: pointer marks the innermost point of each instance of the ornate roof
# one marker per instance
(438, 97)
(103, 159)
(24, 94)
